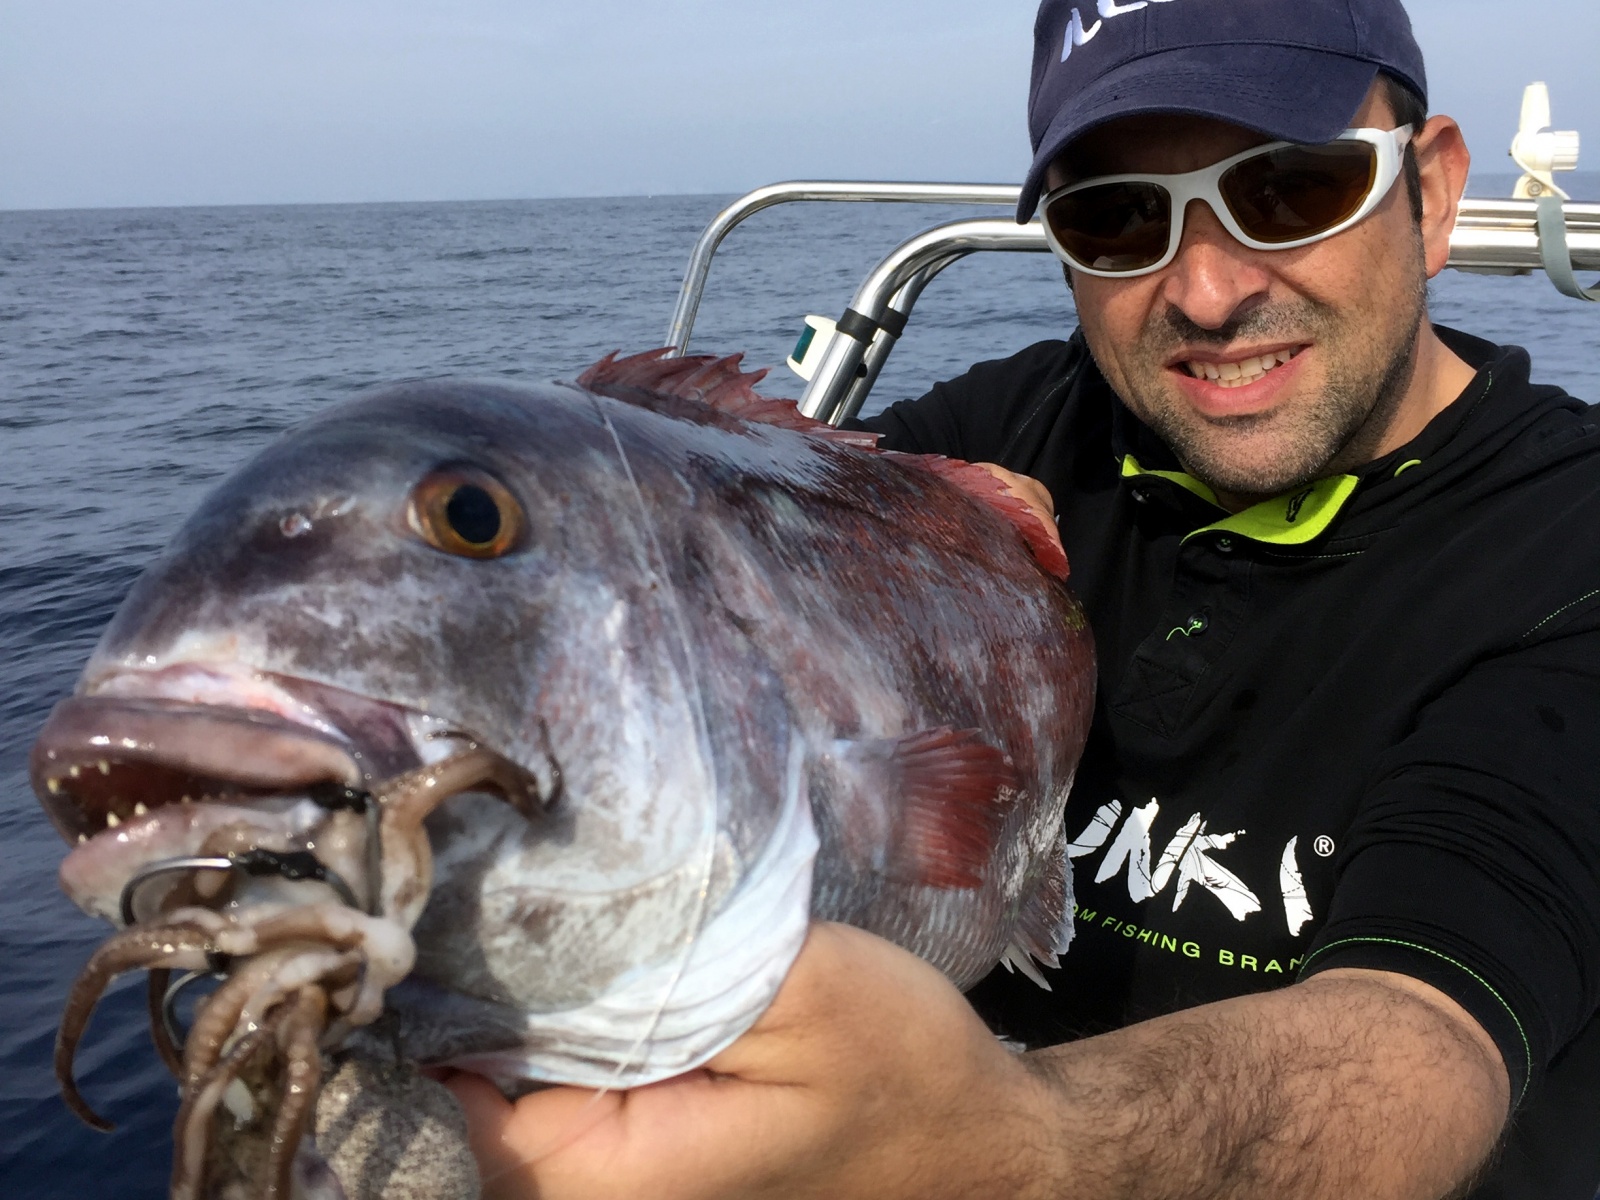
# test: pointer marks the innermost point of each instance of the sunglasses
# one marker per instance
(1272, 197)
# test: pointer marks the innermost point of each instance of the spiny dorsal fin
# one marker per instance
(715, 386)
(717, 383)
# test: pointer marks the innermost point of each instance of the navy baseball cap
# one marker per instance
(1294, 70)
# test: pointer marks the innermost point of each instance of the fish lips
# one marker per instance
(101, 760)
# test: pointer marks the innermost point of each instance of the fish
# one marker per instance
(524, 729)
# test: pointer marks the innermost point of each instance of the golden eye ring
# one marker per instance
(466, 512)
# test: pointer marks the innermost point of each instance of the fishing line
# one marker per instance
(662, 573)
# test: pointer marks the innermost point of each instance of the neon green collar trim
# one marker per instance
(1131, 469)
(1288, 520)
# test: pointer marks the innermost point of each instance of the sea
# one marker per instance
(145, 353)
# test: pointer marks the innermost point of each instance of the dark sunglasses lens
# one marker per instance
(1113, 226)
(1299, 191)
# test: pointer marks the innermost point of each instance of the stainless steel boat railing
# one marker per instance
(1491, 236)
(694, 279)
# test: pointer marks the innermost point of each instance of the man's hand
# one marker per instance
(871, 1077)
(1030, 491)
(866, 1072)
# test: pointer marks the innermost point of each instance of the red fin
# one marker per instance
(987, 489)
(715, 382)
(654, 380)
(954, 790)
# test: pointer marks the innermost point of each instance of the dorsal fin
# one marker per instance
(718, 383)
(987, 488)
(713, 386)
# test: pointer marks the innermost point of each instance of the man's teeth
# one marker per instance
(1237, 374)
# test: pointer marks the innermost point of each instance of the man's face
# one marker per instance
(1319, 341)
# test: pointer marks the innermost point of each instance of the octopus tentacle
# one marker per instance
(218, 1018)
(164, 946)
(282, 953)
(299, 975)
(407, 799)
(303, 969)
(332, 925)
(192, 1129)
(382, 946)
(302, 1078)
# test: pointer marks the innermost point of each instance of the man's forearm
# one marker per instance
(1352, 1084)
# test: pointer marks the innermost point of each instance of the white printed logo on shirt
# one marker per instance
(1187, 860)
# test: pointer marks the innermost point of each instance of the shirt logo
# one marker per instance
(1077, 35)
(1187, 861)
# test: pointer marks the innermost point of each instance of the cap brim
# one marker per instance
(1284, 92)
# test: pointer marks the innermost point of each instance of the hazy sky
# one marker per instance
(142, 102)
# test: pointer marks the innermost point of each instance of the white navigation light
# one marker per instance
(1539, 150)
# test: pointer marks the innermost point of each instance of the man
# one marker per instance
(1336, 835)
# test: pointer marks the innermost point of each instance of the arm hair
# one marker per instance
(1351, 1084)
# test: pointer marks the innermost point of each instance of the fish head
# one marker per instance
(437, 567)
(403, 547)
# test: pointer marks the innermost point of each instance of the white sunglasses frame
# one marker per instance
(1204, 185)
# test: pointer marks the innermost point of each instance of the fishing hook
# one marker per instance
(293, 865)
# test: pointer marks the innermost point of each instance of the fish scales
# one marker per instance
(636, 676)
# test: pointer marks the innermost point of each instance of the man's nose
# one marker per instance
(1214, 279)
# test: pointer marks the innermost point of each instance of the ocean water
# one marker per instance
(145, 353)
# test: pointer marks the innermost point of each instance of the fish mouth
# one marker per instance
(147, 766)
(101, 761)
(135, 740)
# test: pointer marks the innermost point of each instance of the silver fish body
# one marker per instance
(732, 676)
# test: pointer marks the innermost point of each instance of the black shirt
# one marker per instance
(1354, 726)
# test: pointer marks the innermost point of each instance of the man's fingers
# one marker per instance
(1032, 493)
(832, 1092)
(1025, 488)
(511, 1140)
(809, 1034)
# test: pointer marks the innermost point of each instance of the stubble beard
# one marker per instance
(1341, 430)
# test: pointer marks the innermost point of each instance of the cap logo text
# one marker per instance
(1077, 35)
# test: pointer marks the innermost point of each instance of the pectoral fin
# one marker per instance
(925, 808)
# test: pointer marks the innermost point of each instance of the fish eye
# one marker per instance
(467, 513)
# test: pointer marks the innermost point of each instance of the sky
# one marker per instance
(173, 102)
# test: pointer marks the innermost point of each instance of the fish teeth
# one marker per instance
(139, 809)
(54, 785)
(82, 838)
(112, 820)
(105, 767)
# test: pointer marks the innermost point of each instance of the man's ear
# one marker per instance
(1442, 162)
(1066, 273)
